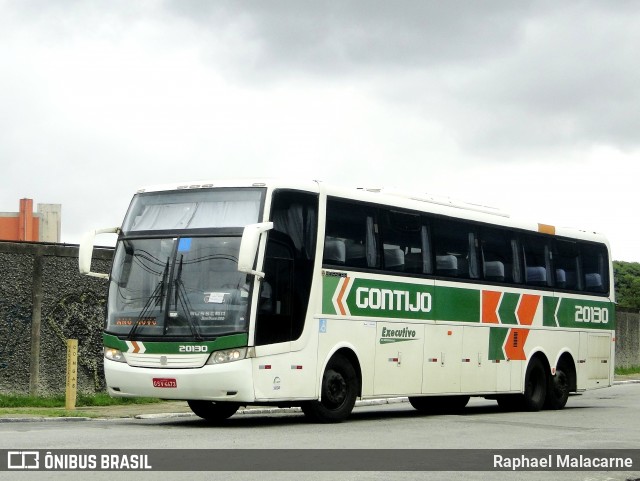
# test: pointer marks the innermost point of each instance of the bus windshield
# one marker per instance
(187, 287)
(202, 209)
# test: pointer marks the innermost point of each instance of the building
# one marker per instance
(25, 225)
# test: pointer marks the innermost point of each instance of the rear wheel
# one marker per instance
(213, 411)
(557, 390)
(439, 404)
(535, 390)
(338, 395)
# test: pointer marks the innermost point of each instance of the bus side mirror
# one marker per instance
(249, 247)
(85, 252)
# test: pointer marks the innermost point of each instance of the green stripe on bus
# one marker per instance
(457, 304)
(329, 287)
(508, 308)
(223, 342)
(404, 300)
(586, 314)
(497, 336)
(549, 305)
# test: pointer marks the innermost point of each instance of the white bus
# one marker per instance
(228, 294)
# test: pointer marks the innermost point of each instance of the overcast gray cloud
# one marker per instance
(343, 37)
(572, 67)
(480, 100)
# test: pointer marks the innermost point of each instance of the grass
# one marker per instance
(54, 406)
(623, 371)
(46, 412)
(83, 400)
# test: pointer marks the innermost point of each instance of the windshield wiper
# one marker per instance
(157, 295)
(182, 299)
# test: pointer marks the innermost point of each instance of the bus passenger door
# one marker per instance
(398, 362)
(274, 321)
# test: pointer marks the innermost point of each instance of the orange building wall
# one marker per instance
(22, 227)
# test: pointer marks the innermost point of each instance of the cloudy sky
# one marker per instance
(530, 106)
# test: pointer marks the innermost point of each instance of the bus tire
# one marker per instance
(535, 386)
(213, 411)
(557, 390)
(338, 395)
(439, 404)
(535, 390)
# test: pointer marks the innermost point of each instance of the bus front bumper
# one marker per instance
(231, 382)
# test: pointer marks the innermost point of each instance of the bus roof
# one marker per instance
(422, 202)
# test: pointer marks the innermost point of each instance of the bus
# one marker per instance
(284, 293)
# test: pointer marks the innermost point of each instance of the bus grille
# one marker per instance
(166, 361)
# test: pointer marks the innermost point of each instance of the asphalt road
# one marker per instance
(602, 419)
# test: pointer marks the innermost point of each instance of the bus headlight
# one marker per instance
(228, 355)
(114, 354)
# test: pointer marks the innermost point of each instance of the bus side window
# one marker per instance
(594, 268)
(567, 265)
(405, 242)
(456, 249)
(354, 226)
(537, 261)
(497, 255)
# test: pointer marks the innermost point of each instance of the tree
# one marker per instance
(627, 284)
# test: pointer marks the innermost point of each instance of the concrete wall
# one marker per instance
(44, 301)
(627, 338)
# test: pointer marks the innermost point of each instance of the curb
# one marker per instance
(258, 410)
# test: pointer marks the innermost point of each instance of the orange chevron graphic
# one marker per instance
(136, 347)
(339, 300)
(490, 302)
(527, 309)
(514, 345)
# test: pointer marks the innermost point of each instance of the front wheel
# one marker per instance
(338, 395)
(213, 411)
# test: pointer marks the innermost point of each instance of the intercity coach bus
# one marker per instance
(228, 294)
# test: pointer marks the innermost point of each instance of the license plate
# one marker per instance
(164, 382)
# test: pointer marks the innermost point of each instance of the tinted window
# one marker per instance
(455, 248)
(535, 255)
(567, 265)
(405, 243)
(350, 237)
(499, 254)
(595, 273)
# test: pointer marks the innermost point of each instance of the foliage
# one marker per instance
(627, 284)
(623, 371)
(17, 400)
